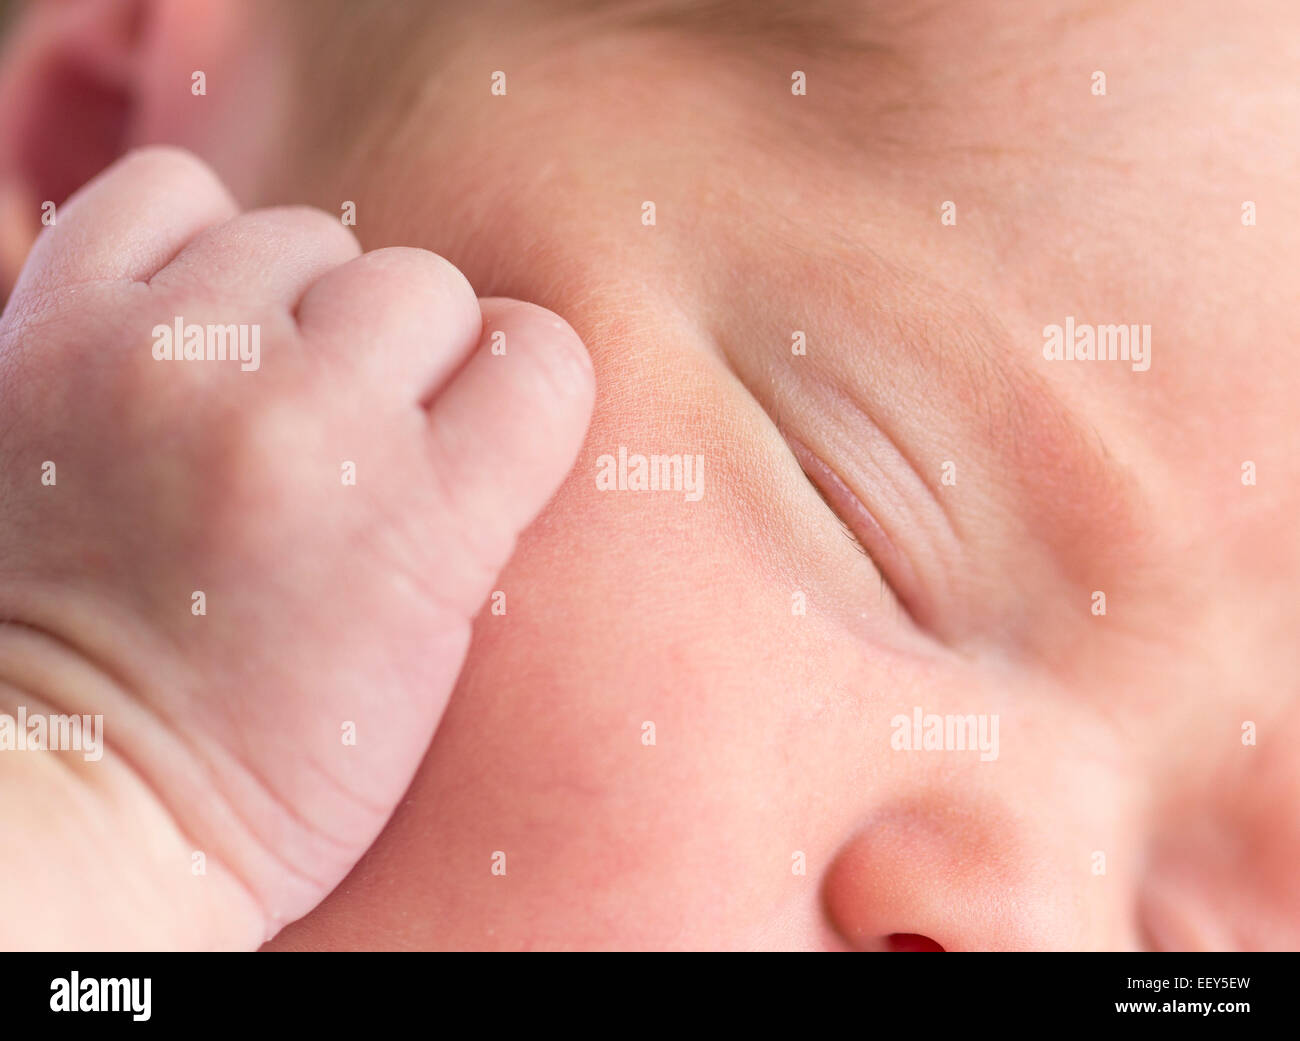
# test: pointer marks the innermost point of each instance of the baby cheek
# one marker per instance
(658, 731)
(1265, 850)
(1222, 874)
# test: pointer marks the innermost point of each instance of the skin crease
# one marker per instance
(1119, 734)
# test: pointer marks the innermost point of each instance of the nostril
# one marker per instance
(946, 871)
(910, 942)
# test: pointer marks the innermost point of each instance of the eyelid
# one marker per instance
(893, 565)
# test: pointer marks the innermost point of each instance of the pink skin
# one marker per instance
(258, 573)
(1120, 734)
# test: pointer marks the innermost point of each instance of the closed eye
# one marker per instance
(886, 592)
(857, 523)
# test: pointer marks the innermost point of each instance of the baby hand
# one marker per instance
(254, 485)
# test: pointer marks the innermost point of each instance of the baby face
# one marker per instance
(980, 630)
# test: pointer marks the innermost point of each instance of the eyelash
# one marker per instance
(844, 525)
(857, 544)
(800, 452)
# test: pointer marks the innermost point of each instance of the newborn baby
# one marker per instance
(973, 332)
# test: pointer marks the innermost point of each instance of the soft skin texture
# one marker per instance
(260, 573)
(1121, 735)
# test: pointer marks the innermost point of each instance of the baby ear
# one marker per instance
(67, 92)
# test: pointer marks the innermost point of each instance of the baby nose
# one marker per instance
(938, 875)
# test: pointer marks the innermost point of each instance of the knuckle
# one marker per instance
(305, 222)
(437, 275)
(168, 163)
